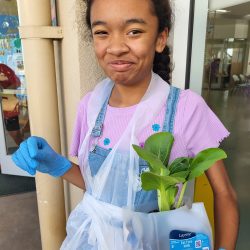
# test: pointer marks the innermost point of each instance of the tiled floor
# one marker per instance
(19, 227)
(234, 111)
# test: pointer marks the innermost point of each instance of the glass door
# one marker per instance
(226, 88)
(226, 53)
(14, 115)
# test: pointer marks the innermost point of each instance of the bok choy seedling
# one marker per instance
(164, 177)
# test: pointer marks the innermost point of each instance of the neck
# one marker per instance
(128, 95)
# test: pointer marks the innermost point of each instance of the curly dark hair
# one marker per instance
(163, 11)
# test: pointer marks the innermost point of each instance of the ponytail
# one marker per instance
(162, 65)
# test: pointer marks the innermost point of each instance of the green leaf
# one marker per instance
(165, 171)
(152, 181)
(160, 144)
(179, 164)
(155, 165)
(171, 193)
(182, 174)
(204, 160)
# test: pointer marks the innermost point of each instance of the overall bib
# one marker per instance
(106, 222)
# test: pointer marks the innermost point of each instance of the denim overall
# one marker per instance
(145, 201)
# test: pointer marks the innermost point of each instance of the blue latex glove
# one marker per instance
(36, 154)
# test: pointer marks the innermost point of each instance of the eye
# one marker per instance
(135, 32)
(100, 33)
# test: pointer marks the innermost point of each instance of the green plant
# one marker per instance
(163, 177)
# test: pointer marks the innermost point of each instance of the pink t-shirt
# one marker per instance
(196, 127)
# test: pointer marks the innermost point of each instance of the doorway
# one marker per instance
(226, 89)
(14, 115)
(227, 48)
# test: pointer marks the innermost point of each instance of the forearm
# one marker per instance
(74, 176)
(226, 214)
(226, 217)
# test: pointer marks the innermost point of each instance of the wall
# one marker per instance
(222, 31)
(248, 63)
(241, 29)
(228, 28)
(246, 69)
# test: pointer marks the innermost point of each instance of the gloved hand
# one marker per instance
(36, 154)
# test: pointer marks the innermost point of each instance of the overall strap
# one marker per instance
(172, 101)
(97, 130)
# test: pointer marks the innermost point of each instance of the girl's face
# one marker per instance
(125, 35)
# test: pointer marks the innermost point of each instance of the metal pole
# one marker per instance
(43, 111)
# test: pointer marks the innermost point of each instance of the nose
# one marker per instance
(117, 46)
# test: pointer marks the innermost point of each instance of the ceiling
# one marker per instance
(237, 12)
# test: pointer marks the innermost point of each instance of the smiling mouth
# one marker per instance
(120, 65)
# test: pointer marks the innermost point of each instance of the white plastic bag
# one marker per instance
(101, 226)
(189, 228)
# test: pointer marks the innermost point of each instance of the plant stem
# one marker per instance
(162, 200)
(181, 194)
(162, 196)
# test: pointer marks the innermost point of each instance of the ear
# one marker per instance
(161, 41)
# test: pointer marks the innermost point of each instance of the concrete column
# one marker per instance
(198, 45)
(180, 42)
(43, 110)
(79, 72)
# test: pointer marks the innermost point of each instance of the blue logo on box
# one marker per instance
(184, 240)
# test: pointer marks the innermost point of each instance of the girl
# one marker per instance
(135, 101)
